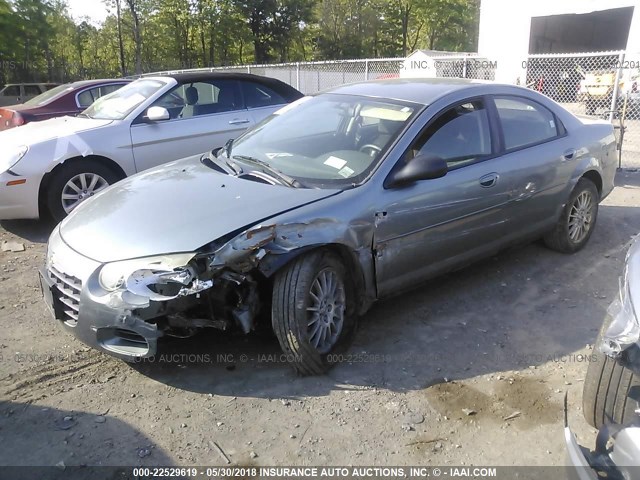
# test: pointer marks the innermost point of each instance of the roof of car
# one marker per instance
(416, 90)
(28, 84)
(198, 76)
(86, 83)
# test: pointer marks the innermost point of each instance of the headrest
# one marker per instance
(192, 96)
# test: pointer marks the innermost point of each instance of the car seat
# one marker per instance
(191, 97)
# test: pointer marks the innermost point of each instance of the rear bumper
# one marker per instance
(21, 200)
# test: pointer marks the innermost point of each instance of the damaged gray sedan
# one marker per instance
(332, 203)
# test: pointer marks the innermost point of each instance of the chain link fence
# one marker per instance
(598, 85)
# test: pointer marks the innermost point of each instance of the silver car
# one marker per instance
(332, 203)
(611, 396)
(51, 167)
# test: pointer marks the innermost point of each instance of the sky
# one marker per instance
(94, 9)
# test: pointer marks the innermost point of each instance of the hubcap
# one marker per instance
(80, 188)
(581, 217)
(326, 310)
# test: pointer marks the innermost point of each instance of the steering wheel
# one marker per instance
(370, 149)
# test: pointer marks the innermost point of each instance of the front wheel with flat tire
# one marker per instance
(577, 221)
(313, 314)
(75, 183)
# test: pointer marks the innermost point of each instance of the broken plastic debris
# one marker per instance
(13, 247)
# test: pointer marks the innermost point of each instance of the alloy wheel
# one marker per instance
(80, 188)
(326, 311)
(581, 217)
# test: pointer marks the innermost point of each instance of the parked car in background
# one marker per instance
(333, 202)
(68, 99)
(53, 166)
(21, 92)
(611, 396)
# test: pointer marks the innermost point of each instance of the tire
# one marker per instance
(561, 237)
(605, 397)
(65, 174)
(291, 319)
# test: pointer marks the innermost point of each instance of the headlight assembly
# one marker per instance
(156, 278)
(624, 329)
(9, 159)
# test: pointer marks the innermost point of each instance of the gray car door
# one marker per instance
(204, 115)
(433, 225)
(535, 140)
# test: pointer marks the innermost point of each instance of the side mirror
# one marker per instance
(422, 167)
(157, 114)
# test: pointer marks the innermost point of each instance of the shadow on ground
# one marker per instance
(36, 231)
(69, 441)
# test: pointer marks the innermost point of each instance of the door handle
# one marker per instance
(489, 180)
(569, 154)
(238, 121)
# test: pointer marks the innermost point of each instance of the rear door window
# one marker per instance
(257, 96)
(11, 91)
(525, 122)
(31, 90)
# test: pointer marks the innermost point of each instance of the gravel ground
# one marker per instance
(469, 369)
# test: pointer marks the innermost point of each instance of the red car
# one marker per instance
(68, 99)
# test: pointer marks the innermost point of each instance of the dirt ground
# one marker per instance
(433, 377)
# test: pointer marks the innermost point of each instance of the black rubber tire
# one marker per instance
(558, 239)
(607, 387)
(289, 315)
(65, 173)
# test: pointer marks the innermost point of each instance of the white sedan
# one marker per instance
(51, 167)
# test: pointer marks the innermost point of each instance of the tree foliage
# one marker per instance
(40, 41)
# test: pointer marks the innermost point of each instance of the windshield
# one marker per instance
(119, 104)
(326, 141)
(48, 95)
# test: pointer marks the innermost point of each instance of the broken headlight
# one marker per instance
(154, 278)
(624, 329)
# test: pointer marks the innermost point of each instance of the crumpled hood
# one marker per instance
(177, 207)
(37, 132)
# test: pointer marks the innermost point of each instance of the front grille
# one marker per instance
(69, 288)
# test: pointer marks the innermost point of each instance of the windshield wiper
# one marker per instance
(289, 181)
(215, 161)
(83, 115)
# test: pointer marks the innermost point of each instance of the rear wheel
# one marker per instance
(312, 312)
(608, 389)
(75, 183)
(577, 221)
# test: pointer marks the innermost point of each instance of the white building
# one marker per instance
(511, 30)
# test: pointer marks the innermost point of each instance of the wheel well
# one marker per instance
(595, 178)
(347, 256)
(46, 180)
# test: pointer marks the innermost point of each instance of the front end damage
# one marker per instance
(621, 339)
(123, 308)
(617, 452)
